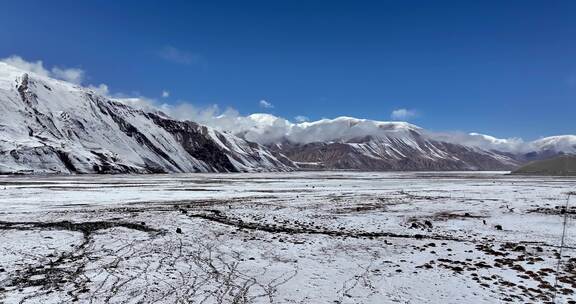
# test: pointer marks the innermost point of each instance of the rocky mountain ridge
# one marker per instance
(50, 126)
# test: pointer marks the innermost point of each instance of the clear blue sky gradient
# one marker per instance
(505, 68)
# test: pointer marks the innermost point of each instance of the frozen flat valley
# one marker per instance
(301, 237)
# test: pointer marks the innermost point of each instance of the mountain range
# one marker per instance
(52, 126)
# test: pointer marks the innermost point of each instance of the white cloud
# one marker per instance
(142, 103)
(36, 67)
(301, 118)
(482, 141)
(73, 75)
(403, 114)
(165, 94)
(266, 128)
(265, 104)
(179, 56)
(101, 89)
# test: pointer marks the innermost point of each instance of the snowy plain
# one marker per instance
(298, 237)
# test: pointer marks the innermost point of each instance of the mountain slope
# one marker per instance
(394, 154)
(50, 126)
(559, 166)
(362, 144)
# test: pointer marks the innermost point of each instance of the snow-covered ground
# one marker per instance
(299, 237)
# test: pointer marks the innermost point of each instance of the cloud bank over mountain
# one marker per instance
(267, 129)
(73, 75)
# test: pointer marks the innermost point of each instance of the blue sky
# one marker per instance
(505, 68)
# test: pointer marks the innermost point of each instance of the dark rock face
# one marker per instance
(196, 141)
(132, 131)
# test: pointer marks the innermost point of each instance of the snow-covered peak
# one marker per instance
(10, 76)
(265, 119)
(560, 143)
(491, 139)
(53, 126)
(348, 128)
(267, 128)
(351, 122)
(488, 142)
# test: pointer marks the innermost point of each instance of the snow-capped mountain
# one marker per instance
(362, 144)
(270, 129)
(51, 126)
(562, 143)
(390, 146)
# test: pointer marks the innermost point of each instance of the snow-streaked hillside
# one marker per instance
(51, 126)
(411, 152)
